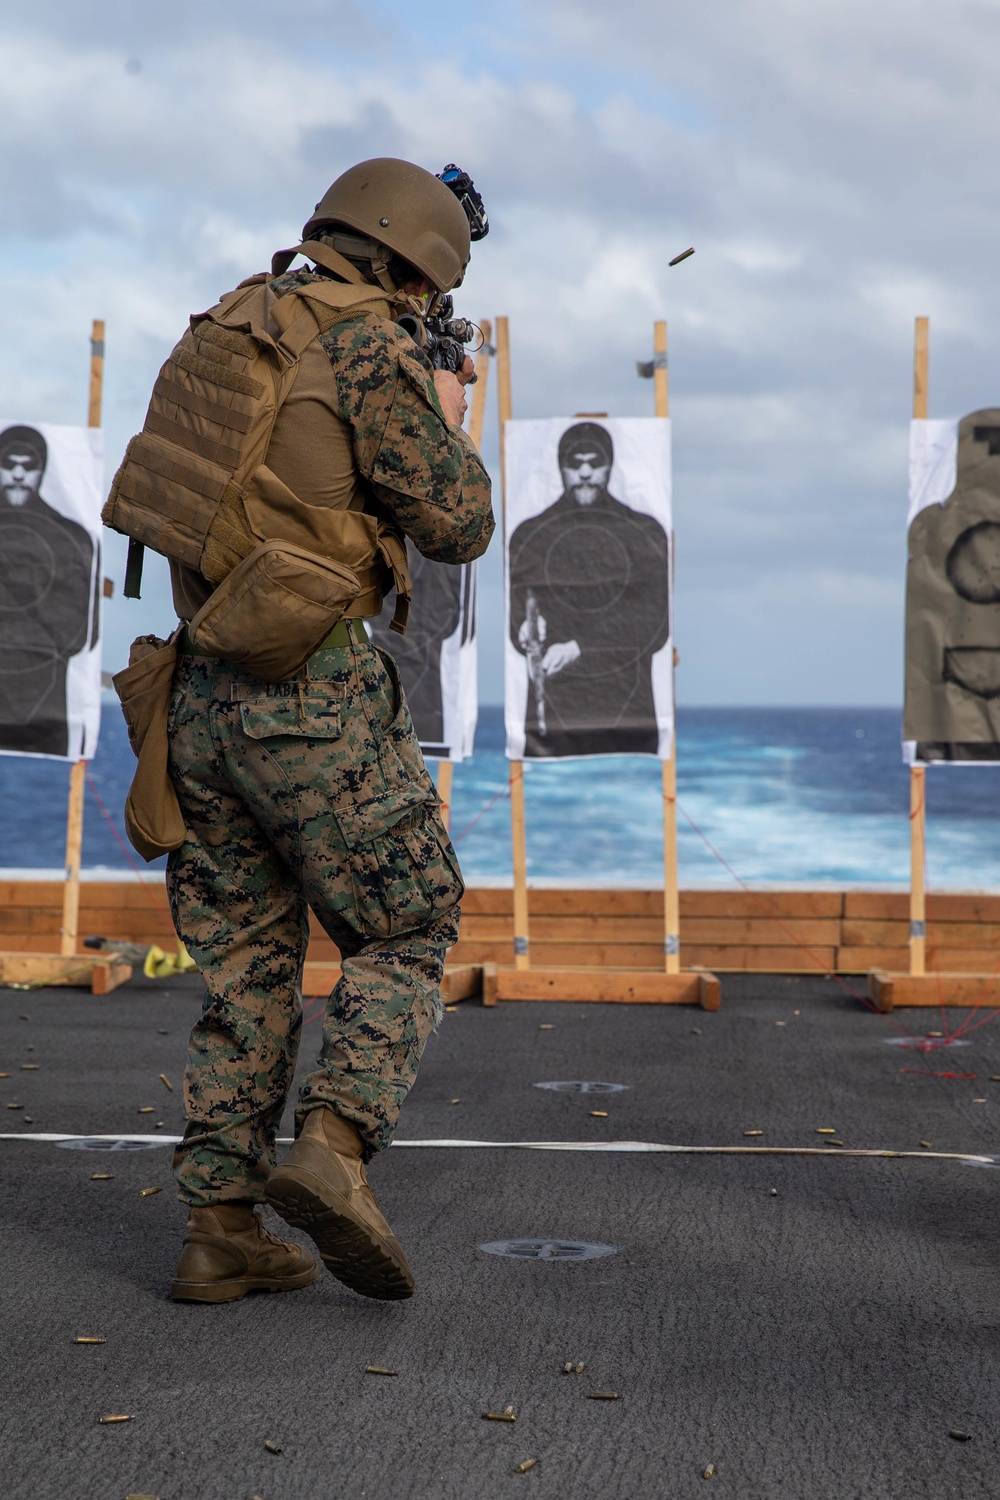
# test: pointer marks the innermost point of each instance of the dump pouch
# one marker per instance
(153, 818)
(272, 612)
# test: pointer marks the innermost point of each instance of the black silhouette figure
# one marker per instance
(46, 596)
(441, 599)
(589, 608)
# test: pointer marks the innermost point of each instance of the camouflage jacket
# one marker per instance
(426, 473)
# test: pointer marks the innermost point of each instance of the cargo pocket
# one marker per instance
(403, 869)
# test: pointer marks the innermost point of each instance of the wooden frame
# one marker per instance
(888, 991)
(40, 969)
(460, 982)
(885, 988)
(523, 980)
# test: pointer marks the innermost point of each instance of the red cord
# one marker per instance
(504, 792)
(774, 917)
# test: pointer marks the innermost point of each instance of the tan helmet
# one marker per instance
(399, 205)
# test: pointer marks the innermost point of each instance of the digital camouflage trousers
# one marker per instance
(303, 794)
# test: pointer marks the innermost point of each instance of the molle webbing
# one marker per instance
(202, 406)
(177, 431)
(209, 365)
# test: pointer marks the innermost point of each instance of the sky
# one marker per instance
(833, 164)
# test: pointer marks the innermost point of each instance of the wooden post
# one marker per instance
(478, 416)
(96, 373)
(918, 774)
(68, 932)
(918, 896)
(74, 845)
(444, 775)
(921, 361)
(671, 893)
(518, 832)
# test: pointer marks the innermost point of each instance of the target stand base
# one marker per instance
(79, 971)
(460, 981)
(887, 991)
(606, 986)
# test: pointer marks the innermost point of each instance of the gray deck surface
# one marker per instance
(818, 1342)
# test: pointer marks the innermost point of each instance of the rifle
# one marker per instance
(441, 336)
(533, 654)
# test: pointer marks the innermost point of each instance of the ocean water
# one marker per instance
(807, 796)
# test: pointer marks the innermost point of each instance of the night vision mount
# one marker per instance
(462, 185)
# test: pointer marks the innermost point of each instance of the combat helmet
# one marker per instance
(394, 204)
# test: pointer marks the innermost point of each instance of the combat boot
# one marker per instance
(321, 1187)
(228, 1252)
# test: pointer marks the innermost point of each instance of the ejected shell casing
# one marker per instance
(825, 1130)
(166, 1083)
(708, 1472)
(599, 1114)
(272, 1446)
(147, 1109)
(30, 1067)
(101, 1176)
(603, 1396)
(115, 1417)
(379, 1370)
(683, 256)
(753, 1132)
(149, 1192)
(87, 1338)
(529, 1463)
(507, 1415)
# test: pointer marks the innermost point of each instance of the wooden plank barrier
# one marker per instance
(584, 929)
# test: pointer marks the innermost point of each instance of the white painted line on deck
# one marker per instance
(634, 1148)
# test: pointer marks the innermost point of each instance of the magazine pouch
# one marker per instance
(153, 818)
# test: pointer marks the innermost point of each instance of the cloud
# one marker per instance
(832, 164)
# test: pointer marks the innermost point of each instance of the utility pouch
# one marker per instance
(153, 818)
(274, 610)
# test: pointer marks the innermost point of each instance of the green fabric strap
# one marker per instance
(340, 635)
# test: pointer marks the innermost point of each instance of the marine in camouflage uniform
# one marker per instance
(312, 793)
